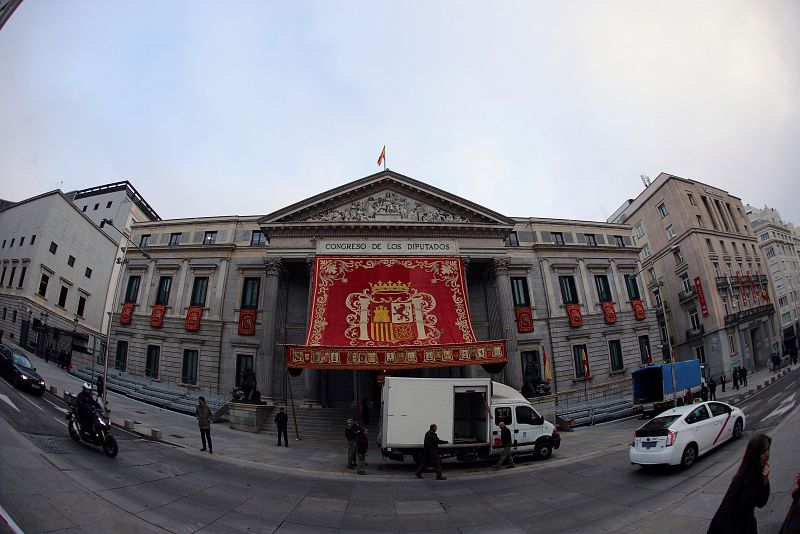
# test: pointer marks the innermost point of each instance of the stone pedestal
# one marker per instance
(248, 417)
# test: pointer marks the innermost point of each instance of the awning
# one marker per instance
(395, 312)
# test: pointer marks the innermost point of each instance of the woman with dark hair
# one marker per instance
(749, 489)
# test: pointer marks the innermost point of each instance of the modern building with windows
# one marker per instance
(383, 275)
(779, 242)
(58, 268)
(704, 273)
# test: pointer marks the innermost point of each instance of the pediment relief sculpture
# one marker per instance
(388, 206)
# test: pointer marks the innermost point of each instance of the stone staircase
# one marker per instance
(316, 423)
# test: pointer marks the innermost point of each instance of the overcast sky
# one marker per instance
(541, 109)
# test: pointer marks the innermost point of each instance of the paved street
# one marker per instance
(49, 483)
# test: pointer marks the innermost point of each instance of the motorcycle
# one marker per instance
(98, 435)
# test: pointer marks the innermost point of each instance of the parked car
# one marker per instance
(680, 435)
(18, 369)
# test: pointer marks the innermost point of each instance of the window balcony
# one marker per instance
(693, 333)
(687, 295)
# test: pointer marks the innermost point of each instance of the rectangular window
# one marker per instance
(700, 353)
(770, 252)
(591, 240)
(164, 285)
(644, 350)
(638, 230)
(700, 221)
(108, 204)
(244, 362)
(579, 355)
(103, 223)
(22, 276)
(662, 210)
(151, 364)
(632, 284)
(33, 239)
(258, 238)
(670, 232)
(11, 278)
(144, 241)
(764, 237)
(558, 238)
(646, 250)
(88, 273)
(786, 317)
(723, 247)
(619, 241)
(709, 245)
(199, 291)
(250, 290)
(3, 277)
(735, 248)
(678, 256)
(210, 238)
(694, 320)
(132, 291)
(71, 261)
(603, 288)
(569, 293)
(96, 206)
(175, 239)
(519, 287)
(692, 201)
(12, 242)
(783, 301)
(43, 285)
(81, 306)
(511, 240)
(14, 316)
(121, 360)
(189, 368)
(531, 367)
(687, 284)
(62, 297)
(716, 269)
(615, 353)
(53, 248)
(84, 209)
(21, 241)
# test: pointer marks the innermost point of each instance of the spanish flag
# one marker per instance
(585, 363)
(548, 373)
(382, 157)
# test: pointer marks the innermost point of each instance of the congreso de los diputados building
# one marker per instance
(385, 275)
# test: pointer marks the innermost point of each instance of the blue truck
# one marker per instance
(652, 385)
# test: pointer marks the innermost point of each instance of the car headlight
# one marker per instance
(23, 377)
(41, 382)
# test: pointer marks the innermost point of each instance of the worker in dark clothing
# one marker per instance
(712, 389)
(282, 422)
(86, 408)
(431, 454)
(505, 441)
(362, 444)
(350, 436)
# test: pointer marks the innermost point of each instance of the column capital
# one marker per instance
(273, 266)
(501, 265)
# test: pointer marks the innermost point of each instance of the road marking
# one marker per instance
(5, 399)
(61, 422)
(59, 408)
(27, 399)
(785, 405)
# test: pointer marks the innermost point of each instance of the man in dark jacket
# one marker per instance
(282, 422)
(350, 436)
(431, 454)
(712, 389)
(86, 408)
(362, 444)
(505, 441)
(722, 381)
(204, 419)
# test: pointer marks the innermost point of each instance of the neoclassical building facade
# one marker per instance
(383, 275)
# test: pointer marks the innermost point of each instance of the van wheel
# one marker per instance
(543, 450)
(737, 429)
(689, 455)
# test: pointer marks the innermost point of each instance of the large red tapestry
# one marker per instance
(157, 315)
(390, 312)
(638, 309)
(524, 316)
(193, 316)
(247, 322)
(609, 312)
(126, 314)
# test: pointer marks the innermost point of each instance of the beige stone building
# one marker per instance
(702, 260)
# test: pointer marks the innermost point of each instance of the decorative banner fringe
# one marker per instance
(127, 313)
(157, 315)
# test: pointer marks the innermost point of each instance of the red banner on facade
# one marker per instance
(701, 296)
(247, 322)
(753, 292)
(157, 315)
(126, 314)
(743, 288)
(574, 314)
(193, 316)
(638, 310)
(524, 319)
(609, 312)
(390, 306)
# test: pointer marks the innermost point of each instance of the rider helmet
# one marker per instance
(86, 386)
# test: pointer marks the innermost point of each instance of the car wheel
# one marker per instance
(543, 450)
(737, 429)
(689, 455)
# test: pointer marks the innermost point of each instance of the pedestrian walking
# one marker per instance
(704, 393)
(431, 454)
(749, 489)
(362, 444)
(350, 436)
(722, 381)
(744, 376)
(735, 374)
(689, 399)
(204, 419)
(505, 441)
(791, 525)
(282, 422)
(712, 389)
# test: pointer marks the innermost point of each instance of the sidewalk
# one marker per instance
(323, 458)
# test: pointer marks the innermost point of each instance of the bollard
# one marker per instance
(155, 433)
(54, 390)
(129, 424)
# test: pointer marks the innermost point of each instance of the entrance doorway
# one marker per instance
(759, 360)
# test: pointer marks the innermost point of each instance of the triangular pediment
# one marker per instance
(386, 198)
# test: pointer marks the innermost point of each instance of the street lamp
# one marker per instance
(122, 263)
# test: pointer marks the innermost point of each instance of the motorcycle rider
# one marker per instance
(86, 409)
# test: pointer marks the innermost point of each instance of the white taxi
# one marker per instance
(680, 435)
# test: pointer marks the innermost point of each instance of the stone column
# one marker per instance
(266, 368)
(513, 370)
(311, 376)
(588, 298)
(622, 289)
